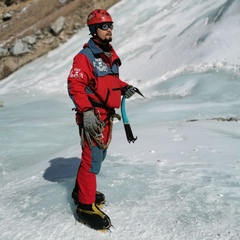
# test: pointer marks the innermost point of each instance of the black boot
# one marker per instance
(92, 216)
(100, 197)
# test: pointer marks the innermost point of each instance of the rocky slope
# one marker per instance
(31, 28)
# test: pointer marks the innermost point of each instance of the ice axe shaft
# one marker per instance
(127, 127)
(129, 133)
(126, 123)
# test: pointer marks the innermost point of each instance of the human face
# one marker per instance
(105, 36)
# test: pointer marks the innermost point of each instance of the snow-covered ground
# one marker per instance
(180, 179)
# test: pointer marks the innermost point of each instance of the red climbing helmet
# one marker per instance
(98, 16)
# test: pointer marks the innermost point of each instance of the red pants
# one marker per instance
(90, 165)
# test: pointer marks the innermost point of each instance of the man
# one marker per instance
(95, 88)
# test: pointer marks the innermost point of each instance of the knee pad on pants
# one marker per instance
(98, 155)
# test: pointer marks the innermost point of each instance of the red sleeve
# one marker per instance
(78, 79)
(122, 84)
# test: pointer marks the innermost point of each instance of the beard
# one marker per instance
(104, 39)
(107, 40)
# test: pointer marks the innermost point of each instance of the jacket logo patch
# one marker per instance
(100, 65)
(76, 73)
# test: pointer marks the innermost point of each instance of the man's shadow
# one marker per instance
(63, 171)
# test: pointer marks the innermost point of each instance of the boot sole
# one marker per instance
(94, 218)
(104, 230)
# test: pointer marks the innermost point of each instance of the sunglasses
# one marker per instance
(106, 26)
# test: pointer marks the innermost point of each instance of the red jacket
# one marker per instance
(94, 78)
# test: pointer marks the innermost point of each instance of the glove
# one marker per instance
(91, 123)
(128, 91)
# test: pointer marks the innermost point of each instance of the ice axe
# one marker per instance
(127, 127)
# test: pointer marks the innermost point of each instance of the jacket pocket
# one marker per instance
(109, 92)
